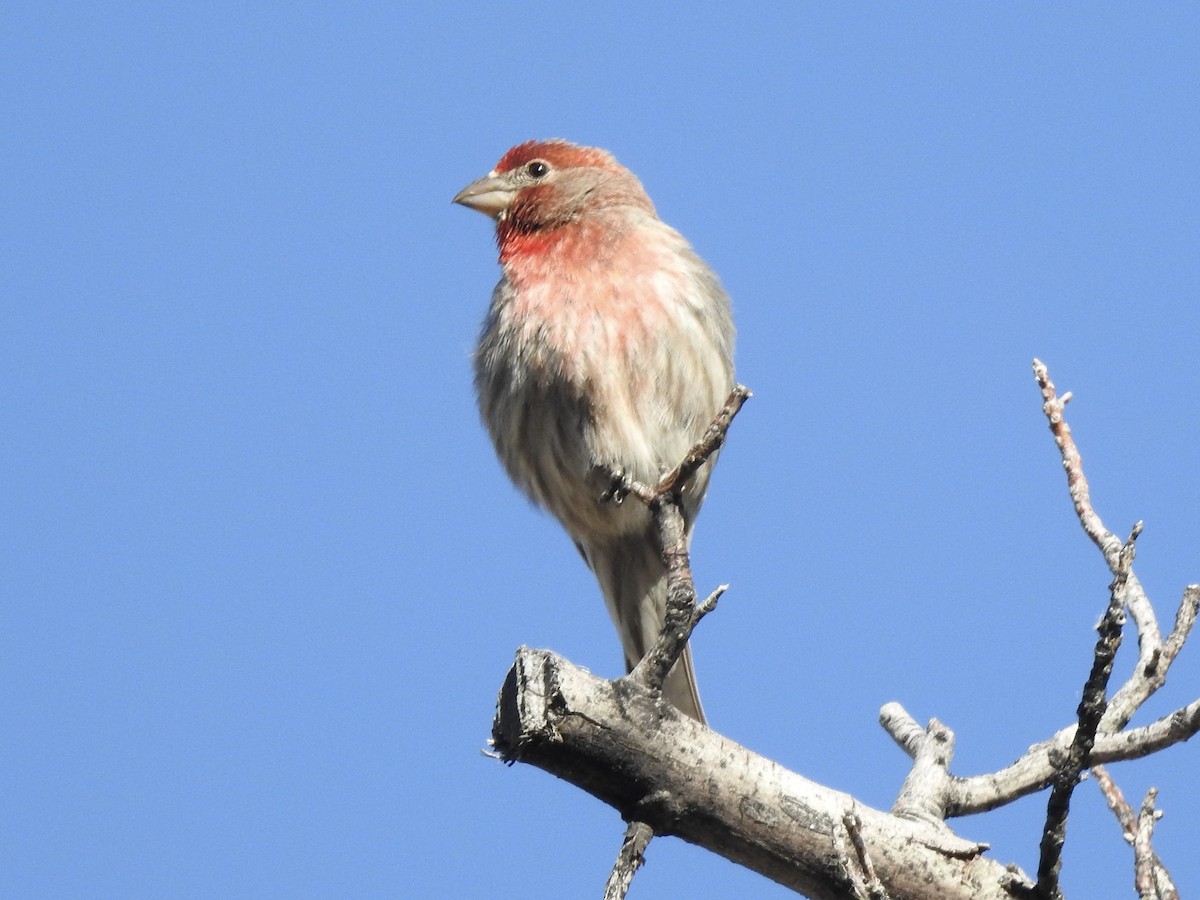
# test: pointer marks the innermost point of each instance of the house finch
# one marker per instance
(608, 346)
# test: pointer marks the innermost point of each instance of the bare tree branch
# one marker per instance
(1154, 661)
(902, 727)
(668, 774)
(1035, 770)
(1116, 802)
(1091, 710)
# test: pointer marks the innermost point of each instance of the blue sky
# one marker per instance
(260, 575)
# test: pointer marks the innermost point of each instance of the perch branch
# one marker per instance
(653, 764)
(710, 442)
(683, 613)
(665, 504)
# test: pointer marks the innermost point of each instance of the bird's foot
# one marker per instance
(620, 484)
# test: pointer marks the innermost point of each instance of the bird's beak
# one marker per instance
(490, 195)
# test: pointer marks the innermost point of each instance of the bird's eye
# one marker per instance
(537, 169)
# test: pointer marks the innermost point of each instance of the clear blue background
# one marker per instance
(261, 576)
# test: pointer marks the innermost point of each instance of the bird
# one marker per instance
(607, 348)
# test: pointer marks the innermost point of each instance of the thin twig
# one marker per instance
(1185, 618)
(630, 858)
(709, 444)
(874, 887)
(1053, 406)
(1143, 853)
(1125, 702)
(1116, 802)
(666, 507)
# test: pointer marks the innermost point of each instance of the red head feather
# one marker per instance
(559, 153)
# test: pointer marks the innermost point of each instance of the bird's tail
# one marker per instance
(634, 581)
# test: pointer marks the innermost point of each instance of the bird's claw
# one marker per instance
(619, 487)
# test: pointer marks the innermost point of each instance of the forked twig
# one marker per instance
(663, 499)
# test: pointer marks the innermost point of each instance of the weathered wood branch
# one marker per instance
(625, 745)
